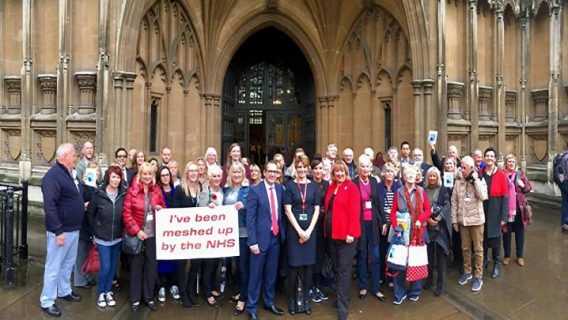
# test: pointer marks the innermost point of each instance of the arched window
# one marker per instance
(266, 84)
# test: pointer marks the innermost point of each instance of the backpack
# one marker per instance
(560, 168)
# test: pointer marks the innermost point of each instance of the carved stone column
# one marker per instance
(485, 99)
(87, 82)
(322, 120)
(472, 103)
(510, 106)
(455, 94)
(441, 92)
(130, 77)
(48, 85)
(14, 85)
(524, 94)
(498, 113)
(418, 112)
(554, 82)
(540, 98)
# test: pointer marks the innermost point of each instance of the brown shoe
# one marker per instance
(506, 261)
(521, 262)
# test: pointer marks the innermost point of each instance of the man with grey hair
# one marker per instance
(348, 159)
(64, 210)
(88, 152)
(418, 157)
(468, 218)
(329, 160)
(452, 153)
(478, 159)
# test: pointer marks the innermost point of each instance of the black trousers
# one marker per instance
(437, 257)
(519, 229)
(143, 272)
(342, 255)
(209, 272)
(306, 274)
(495, 245)
(190, 287)
(457, 249)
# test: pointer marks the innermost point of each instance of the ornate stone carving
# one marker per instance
(539, 146)
(540, 99)
(458, 140)
(87, 82)
(45, 146)
(455, 100)
(12, 144)
(48, 85)
(14, 86)
(485, 102)
(510, 106)
(271, 5)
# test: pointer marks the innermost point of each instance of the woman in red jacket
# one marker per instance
(342, 228)
(413, 199)
(143, 199)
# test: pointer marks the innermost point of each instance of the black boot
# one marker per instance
(185, 302)
(307, 306)
(292, 306)
(496, 270)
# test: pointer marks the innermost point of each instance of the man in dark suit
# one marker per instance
(418, 157)
(266, 230)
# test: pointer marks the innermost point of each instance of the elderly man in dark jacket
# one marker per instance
(64, 211)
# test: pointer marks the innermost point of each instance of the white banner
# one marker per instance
(202, 232)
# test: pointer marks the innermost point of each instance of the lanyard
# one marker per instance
(303, 196)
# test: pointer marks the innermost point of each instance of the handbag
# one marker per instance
(398, 253)
(131, 244)
(417, 258)
(528, 214)
(93, 262)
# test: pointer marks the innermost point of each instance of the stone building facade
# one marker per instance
(149, 73)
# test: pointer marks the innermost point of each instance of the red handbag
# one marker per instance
(93, 263)
(417, 268)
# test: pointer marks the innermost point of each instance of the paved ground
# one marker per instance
(537, 291)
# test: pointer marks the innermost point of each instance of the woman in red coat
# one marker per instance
(413, 199)
(143, 199)
(342, 228)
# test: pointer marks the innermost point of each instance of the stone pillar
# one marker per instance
(322, 120)
(499, 85)
(441, 93)
(103, 74)
(87, 82)
(418, 113)
(213, 127)
(455, 93)
(429, 112)
(554, 82)
(2, 59)
(14, 85)
(27, 82)
(471, 109)
(510, 106)
(126, 138)
(524, 94)
(63, 72)
(484, 101)
(48, 85)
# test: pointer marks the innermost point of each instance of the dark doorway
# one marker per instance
(268, 98)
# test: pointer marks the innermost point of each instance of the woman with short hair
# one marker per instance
(301, 204)
(413, 199)
(143, 200)
(342, 228)
(519, 186)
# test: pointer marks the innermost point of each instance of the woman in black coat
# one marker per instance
(372, 226)
(439, 228)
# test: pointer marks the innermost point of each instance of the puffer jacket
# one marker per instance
(105, 217)
(468, 213)
(133, 211)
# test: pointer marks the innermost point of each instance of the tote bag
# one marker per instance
(417, 258)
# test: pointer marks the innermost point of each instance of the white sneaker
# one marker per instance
(101, 302)
(175, 292)
(162, 294)
(110, 300)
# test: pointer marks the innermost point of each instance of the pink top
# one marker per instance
(366, 196)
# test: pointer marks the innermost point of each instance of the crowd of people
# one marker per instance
(305, 227)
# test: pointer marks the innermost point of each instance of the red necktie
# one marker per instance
(273, 212)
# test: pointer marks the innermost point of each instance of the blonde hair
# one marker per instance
(511, 156)
(236, 166)
(438, 174)
(146, 167)
(339, 165)
(186, 183)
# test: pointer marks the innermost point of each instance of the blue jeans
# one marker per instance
(59, 264)
(400, 289)
(366, 248)
(109, 259)
(564, 192)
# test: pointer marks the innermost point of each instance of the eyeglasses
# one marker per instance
(272, 171)
(121, 156)
(165, 175)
